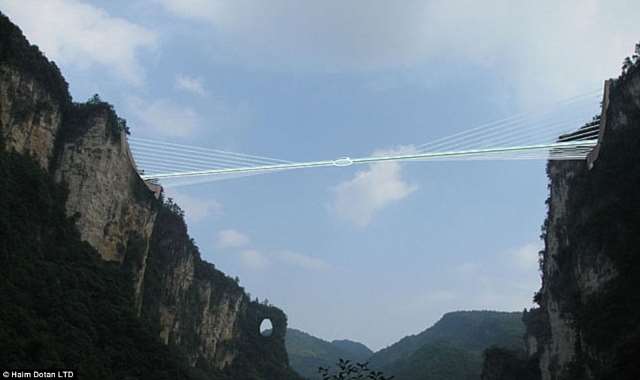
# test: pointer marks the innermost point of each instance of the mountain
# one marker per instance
(438, 361)
(587, 323)
(307, 353)
(452, 348)
(102, 274)
(357, 351)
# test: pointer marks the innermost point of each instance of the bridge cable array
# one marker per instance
(546, 135)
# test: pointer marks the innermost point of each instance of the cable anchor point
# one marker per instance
(343, 161)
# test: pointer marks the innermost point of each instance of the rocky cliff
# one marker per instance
(588, 324)
(115, 209)
(204, 312)
(194, 307)
(30, 116)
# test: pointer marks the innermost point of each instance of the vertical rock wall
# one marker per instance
(193, 306)
(29, 115)
(114, 207)
(200, 309)
(592, 252)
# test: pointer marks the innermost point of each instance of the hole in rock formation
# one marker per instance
(266, 327)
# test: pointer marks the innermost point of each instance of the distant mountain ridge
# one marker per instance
(357, 350)
(451, 349)
(471, 329)
(307, 352)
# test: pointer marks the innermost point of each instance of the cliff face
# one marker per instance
(200, 309)
(115, 209)
(82, 145)
(194, 307)
(29, 115)
(587, 325)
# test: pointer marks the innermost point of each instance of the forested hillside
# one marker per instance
(452, 348)
(307, 353)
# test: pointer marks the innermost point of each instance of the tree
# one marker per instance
(626, 65)
(95, 99)
(348, 370)
(122, 124)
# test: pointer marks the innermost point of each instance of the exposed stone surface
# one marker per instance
(102, 182)
(582, 255)
(197, 307)
(194, 307)
(29, 116)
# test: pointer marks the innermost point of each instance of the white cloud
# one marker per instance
(303, 261)
(231, 238)
(164, 117)
(562, 48)
(371, 190)
(197, 209)
(503, 280)
(526, 257)
(332, 33)
(78, 34)
(190, 84)
(195, 9)
(254, 259)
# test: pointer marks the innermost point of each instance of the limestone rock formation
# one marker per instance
(200, 309)
(586, 327)
(194, 307)
(29, 115)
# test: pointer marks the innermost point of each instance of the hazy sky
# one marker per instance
(370, 254)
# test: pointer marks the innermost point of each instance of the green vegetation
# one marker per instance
(452, 348)
(60, 304)
(261, 357)
(603, 215)
(504, 364)
(631, 64)
(307, 353)
(356, 350)
(17, 52)
(438, 361)
(257, 357)
(347, 370)
(79, 116)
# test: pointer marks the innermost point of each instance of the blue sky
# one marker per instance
(370, 254)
